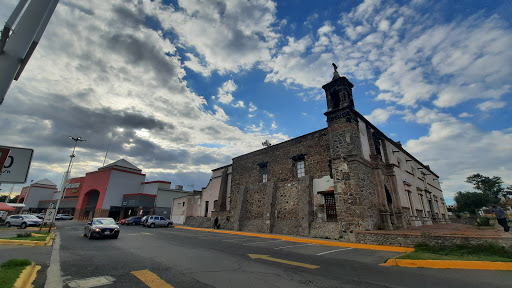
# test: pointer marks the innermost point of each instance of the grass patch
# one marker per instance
(477, 252)
(11, 270)
(28, 236)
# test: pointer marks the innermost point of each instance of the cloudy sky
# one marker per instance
(181, 87)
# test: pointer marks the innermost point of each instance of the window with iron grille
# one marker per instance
(300, 168)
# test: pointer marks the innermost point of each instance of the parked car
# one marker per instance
(135, 220)
(101, 227)
(122, 222)
(63, 217)
(144, 220)
(23, 221)
(154, 221)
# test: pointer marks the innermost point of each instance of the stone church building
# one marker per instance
(328, 183)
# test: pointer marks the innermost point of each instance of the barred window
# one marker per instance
(300, 168)
(264, 177)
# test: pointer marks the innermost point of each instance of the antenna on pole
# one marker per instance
(108, 146)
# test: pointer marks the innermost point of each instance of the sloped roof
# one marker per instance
(6, 207)
(45, 181)
(121, 163)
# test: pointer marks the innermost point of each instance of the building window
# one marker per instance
(299, 164)
(263, 171)
(183, 204)
(300, 168)
(206, 208)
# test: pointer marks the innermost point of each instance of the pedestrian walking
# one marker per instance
(216, 224)
(501, 217)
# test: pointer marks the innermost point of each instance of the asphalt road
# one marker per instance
(186, 258)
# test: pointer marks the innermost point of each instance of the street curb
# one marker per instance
(48, 241)
(307, 240)
(27, 276)
(450, 264)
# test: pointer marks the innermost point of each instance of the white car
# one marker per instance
(154, 221)
(63, 217)
(22, 220)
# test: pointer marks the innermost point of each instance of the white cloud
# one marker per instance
(491, 105)
(252, 107)
(449, 63)
(228, 35)
(239, 104)
(274, 125)
(113, 79)
(253, 128)
(454, 150)
(381, 116)
(224, 93)
(428, 116)
(465, 115)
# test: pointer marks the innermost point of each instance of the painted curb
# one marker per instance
(48, 241)
(449, 264)
(307, 240)
(27, 276)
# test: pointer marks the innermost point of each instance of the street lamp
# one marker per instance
(66, 176)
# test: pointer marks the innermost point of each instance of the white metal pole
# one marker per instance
(63, 185)
(15, 14)
(19, 42)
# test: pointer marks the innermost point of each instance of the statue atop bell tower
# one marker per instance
(338, 92)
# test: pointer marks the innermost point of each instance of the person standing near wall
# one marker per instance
(501, 217)
(216, 224)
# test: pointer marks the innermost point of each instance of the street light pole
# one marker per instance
(66, 176)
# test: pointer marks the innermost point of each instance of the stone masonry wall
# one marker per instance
(284, 203)
(410, 240)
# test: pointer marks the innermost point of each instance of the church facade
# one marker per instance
(348, 176)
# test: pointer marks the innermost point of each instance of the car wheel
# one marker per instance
(89, 235)
(7, 224)
(115, 236)
(152, 225)
(23, 225)
(169, 225)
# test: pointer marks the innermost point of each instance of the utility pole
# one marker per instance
(16, 48)
(66, 176)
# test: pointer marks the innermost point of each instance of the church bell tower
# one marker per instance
(338, 92)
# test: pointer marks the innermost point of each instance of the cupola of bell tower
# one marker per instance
(338, 92)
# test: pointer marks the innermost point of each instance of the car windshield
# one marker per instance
(104, 222)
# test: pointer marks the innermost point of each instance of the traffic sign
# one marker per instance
(16, 166)
(50, 216)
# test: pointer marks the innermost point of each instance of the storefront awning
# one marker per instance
(6, 207)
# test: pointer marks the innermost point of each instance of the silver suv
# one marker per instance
(23, 221)
(154, 221)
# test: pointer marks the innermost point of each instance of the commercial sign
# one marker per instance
(16, 165)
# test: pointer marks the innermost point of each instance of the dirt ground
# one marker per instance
(454, 229)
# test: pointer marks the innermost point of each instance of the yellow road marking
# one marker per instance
(453, 264)
(151, 279)
(267, 257)
(307, 240)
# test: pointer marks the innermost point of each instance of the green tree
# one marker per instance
(14, 199)
(2, 198)
(490, 187)
(471, 201)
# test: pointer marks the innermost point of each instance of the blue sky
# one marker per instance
(181, 87)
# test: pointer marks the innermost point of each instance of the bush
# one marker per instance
(483, 221)
(28, 234)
